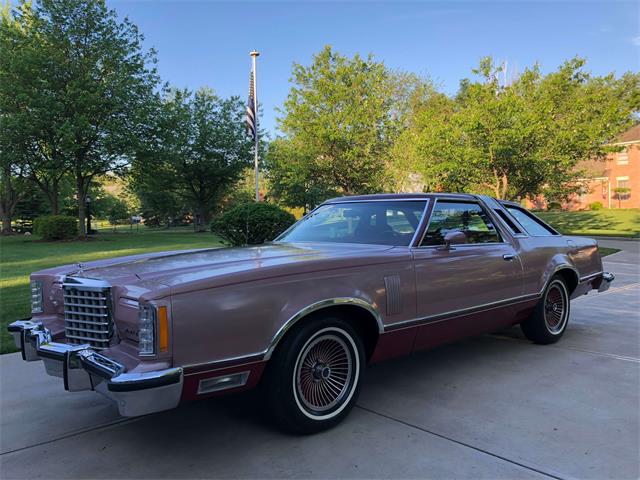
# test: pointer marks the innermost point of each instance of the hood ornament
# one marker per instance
(80, 271)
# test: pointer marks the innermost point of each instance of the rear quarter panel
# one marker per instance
(584, 254)
(544, 255)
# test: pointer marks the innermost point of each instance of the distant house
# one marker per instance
(621, 170)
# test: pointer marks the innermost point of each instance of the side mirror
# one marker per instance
(455, 237)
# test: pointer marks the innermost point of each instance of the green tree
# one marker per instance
(12, 160)
(338, 125)
(28, 133)
(621, 193)
(199, 150)
(75, 88)
(523, 138)
(294, 177)
(12, 189)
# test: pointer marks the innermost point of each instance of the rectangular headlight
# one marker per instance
(147, 330)
(36, 296)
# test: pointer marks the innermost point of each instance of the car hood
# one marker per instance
(205, 268)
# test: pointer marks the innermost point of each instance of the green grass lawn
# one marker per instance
(604, 251)
(615, 223)
(20, 255)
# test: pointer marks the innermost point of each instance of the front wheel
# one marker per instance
(549, 320)
(313, 379)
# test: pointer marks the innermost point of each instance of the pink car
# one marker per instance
(356, 281)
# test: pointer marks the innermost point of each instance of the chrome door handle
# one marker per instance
(508, 257)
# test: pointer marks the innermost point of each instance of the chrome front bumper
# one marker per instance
(83, 368)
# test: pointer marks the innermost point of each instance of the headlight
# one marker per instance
(36, 296)
(147, 330)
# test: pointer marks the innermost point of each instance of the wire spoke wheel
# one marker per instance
(556, 307)
(324, 373)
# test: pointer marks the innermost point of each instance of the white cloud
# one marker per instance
(636, 41)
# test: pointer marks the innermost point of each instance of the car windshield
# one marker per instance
(377, 223)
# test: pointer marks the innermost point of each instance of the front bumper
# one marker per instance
(83, 368)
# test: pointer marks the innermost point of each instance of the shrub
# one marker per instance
(554, 206)
(252, 223)
(55, 227)
(596, 206)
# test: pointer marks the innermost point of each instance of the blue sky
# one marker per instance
(208, 42)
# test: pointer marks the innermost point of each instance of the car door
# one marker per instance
(465, 289)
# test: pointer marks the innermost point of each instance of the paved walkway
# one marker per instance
(495, 406)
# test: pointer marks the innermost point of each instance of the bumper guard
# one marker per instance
(605, 283)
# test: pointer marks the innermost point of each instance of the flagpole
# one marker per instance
(254, 54)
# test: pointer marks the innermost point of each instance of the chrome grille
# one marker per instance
(87, 313)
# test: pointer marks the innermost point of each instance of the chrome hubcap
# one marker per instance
(324, 373)
(555, 308)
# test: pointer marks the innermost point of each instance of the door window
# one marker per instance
(466, 217)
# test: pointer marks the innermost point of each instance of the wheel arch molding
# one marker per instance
(372, 326)
(561, 265)
(569, 275)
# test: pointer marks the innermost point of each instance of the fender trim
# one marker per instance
(329, 302)
(564, 266)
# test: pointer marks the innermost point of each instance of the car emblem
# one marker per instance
(80, 272)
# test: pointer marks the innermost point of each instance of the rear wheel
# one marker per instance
(313, 379)
(550, 317)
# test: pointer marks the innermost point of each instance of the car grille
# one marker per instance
(87, 315)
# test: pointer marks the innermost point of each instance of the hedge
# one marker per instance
(55, 227)
(252, 223)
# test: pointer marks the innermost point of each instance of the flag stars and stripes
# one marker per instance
(252, 122)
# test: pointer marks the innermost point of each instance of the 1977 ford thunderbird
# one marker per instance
(357, 281)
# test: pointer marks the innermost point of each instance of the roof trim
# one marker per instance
(379, 197)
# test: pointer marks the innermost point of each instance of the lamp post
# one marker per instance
(88, 202)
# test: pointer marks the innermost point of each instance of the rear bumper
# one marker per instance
(83, 368)
(600, 282)
(605, 281)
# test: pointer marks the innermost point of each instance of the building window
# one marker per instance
(623, 157)
(622, 182)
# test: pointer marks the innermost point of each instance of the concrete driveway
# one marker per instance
(495, 406)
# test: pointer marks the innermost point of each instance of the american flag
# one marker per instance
(252, 121)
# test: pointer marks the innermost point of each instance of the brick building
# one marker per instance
(619, 170)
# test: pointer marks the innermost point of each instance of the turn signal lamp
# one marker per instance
(163, 329)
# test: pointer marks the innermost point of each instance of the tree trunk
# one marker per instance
(206, 219)
(8, 201)
(54, 195)
(82, 207)
(6, 223)
(82, 218)
(505, 186)
(202, 218)
(496, 184)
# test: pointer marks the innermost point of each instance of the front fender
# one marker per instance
(248, 319)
